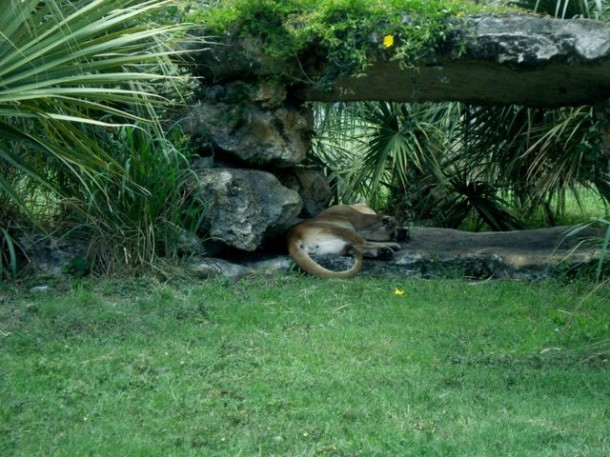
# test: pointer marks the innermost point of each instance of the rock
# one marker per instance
(312, 187)
(260, 93)
(40, 289)
(237, 59)
(206, 267)
(519, 254)
(255, 136)
(246, 206)
(54, 256)
(523, 60)
(528, 41)
(190, 244)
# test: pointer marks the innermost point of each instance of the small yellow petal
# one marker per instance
(399, 292)
(388, 41)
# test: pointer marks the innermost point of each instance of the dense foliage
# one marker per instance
(450, 164)
(88, 89)
(79, 80)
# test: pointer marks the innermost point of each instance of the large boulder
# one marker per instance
(250, 123)
(251, 135)
(246, 206)
(311, 185)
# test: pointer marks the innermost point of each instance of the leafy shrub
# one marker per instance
(74, 75)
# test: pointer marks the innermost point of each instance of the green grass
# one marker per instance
(579, 209)
(296, 366)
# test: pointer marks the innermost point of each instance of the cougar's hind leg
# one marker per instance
(383, 251)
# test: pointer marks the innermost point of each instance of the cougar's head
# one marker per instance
(385, 229)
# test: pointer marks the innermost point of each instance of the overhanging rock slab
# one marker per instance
(523, 60)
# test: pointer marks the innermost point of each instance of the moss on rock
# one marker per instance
(349, 33)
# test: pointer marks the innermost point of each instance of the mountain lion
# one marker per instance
(350, 230)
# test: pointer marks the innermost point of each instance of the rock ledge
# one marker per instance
(436, 252)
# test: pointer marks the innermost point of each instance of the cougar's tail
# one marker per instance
(309, 265)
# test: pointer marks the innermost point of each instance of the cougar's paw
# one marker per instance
(385, 253)
(393, 246)
(402, 234)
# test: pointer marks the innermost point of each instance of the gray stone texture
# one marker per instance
(246, 206)
(521, 60)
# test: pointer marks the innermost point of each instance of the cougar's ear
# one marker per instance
(388, 222)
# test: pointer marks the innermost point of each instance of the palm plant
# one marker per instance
(404, 143)
(603, 241)
(338, 134)
(403, 157)
(71, 73)
(444, 163)
(539, 156)
(373, 147)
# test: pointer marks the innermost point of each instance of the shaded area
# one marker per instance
(438, 252)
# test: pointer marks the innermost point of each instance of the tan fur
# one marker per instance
(354, 230)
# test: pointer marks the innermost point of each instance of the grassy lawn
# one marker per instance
(295, 366)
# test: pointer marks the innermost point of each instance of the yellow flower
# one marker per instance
(399, 292)
(388, 41)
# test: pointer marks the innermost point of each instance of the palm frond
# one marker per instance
(67, 63)
(603, 241)
(72, 75)
(403, 141)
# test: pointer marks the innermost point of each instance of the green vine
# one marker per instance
(348, 33)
